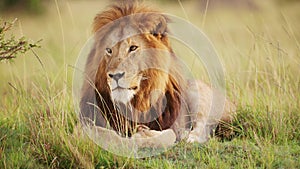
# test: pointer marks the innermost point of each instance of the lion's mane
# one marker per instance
(96, 104)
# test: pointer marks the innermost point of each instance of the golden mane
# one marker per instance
(147, 19)
(96, 104)
(118, 10)
(179, 104)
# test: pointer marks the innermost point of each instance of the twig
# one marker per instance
(13, 87)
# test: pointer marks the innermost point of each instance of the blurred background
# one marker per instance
(258, 45)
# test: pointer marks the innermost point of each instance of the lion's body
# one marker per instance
(134, 78)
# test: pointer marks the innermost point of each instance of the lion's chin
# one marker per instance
(122, 95)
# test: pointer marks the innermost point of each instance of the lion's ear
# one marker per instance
(160, 27)
(154, 23)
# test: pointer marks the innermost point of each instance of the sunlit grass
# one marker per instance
(259, 50)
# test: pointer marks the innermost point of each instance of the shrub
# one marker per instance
(11, 47)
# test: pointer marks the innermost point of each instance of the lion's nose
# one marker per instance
(116, 76)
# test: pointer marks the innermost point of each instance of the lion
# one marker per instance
(134, 78)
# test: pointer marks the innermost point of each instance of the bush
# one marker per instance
(11, 47)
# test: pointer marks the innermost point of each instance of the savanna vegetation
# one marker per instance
(258, 47)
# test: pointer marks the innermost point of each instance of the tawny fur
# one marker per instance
(187, 104)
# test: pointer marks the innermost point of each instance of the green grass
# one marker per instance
(260, 53)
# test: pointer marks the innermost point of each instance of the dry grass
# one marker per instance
(258, 48)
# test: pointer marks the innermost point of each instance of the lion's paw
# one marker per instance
(196, 138)
(155, 139)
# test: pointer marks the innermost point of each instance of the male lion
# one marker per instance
(134, 79)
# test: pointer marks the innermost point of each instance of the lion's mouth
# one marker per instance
(133, 88)
(122, 94)
(123, 88)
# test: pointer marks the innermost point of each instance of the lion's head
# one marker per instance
(134, 72)
(134, 65)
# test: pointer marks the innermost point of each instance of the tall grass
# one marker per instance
(260, 53)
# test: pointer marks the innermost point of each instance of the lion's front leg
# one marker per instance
(209, 111)
(199, 98)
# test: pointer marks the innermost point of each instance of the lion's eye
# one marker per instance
(108, 51)
(132, 48)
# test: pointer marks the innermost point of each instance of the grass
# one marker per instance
(258, 48)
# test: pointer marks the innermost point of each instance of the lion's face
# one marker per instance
(123, 72)
(131, 64)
